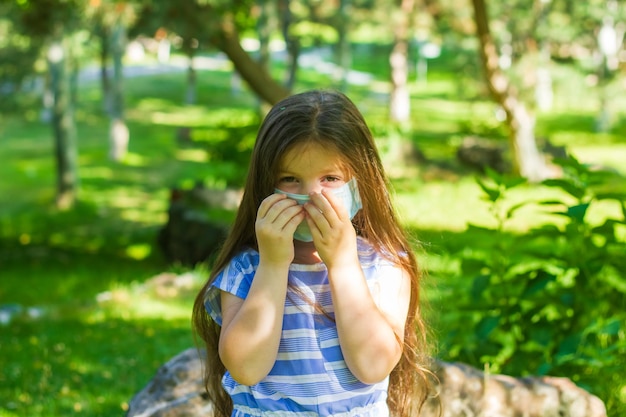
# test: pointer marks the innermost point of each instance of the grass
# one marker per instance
(92, 324)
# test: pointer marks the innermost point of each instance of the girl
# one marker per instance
(313, 302)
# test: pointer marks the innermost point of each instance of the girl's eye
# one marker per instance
(332, 179)
(287, 179)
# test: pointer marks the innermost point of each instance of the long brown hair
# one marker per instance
(330, 118)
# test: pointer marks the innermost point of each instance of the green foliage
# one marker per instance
(17, 53)
(550, 301)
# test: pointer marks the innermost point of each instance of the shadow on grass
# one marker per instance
(72, 367)
(51, 257)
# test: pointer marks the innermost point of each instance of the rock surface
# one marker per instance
(177, 391)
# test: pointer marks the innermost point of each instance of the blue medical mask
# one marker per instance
(347, 193)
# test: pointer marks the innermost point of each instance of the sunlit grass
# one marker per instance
(611, 156)
(167, 296)
(83, 367)
(461, 203)
(191, 155)
(90, 356)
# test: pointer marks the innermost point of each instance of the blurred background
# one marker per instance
(126, 129)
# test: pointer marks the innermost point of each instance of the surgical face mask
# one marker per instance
(347, 193)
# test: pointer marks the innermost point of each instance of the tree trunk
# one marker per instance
(292, 44)
(118, 131)
(264, 32)
(190, 95)
(47, 98)
(527, 160)
(400, 150)
(63, 125)
(399, 101)
(104, 34)
(255, 75)
(344, 58)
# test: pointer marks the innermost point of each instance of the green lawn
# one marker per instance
(92, 324)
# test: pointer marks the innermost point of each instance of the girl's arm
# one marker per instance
(251, 328)
(371, 333)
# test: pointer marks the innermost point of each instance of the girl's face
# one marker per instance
(309, 168)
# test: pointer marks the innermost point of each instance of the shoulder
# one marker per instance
(388, 282)
(245, 262)
(369, 256)
(380, 268)
(241, 267)
(235, 278)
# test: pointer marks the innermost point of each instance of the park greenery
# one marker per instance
(522, 278)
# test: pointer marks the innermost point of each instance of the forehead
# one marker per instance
(312, 156)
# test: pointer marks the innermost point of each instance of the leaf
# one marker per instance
(567, 299)
(549, 230)
(472, 266)
(481, 282)
(604, 176)
(538, 284)
(486, 326)
(567, 186)
(578, 212)
(506, 181)
(494, 175)
(571, 162)
(514, 208)
(610, 195)
(544, 368)
(569, 345)
(607, 229)
(475, 228)
(542, 335)
(615, 281)
(551, 202)
(493, 194)
(514, 182)
(612, 328)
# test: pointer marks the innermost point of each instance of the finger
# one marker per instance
(328, 205)
(277, 208)
(293, 222)
(294, 214)
(336, 203)
(282, 223)
(313, 227)
(267, 204)
(316, 217)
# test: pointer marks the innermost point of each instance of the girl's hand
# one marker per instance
(276, 222)
(333, 233)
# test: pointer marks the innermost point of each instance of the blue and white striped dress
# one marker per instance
(310, 377)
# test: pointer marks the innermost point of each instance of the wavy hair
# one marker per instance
(332, 119)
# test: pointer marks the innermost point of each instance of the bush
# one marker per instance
(551, 301)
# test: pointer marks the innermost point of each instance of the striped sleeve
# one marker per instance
(235, 278)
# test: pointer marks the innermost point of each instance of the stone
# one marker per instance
(468, 392)
(177, 390)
